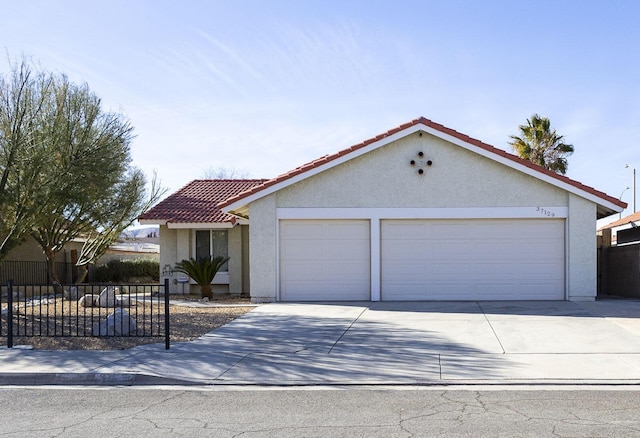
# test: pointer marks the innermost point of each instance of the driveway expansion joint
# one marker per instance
(491, 326)
(348, 328)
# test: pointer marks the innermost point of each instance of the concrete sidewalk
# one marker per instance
(372, 343)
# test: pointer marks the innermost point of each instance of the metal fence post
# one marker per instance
(10, 314)
(166, 314)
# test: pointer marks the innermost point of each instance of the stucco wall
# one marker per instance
(168, 255)
(581, 241)
(384, 178)
(177, 245)
(235, 260)
(263, 244)
(30, 251)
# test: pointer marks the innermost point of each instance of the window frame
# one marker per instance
(222, 276)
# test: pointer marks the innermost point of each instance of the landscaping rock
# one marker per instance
(87, 300)
(107, 297)
(72, 294)
(118, 323)
(123, 301)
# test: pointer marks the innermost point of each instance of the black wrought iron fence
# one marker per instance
(110, 310)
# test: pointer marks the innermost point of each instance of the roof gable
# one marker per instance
(197, 202)
(606, 204)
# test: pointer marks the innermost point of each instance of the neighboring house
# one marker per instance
(420, 212)
(628, 227)
(192, 226)
(26, 263)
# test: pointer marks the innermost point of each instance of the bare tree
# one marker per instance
(225, 173)
(124, 206)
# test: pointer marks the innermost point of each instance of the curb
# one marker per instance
(87, 379)
(134, 379)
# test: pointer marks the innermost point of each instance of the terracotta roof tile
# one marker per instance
(437, 127)
(197, 202)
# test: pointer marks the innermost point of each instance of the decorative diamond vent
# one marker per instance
(420, 163)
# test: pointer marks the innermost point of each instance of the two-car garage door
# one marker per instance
(424, 259)
(477, 259)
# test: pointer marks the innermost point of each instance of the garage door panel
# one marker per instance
(324, 260)
(348, 231)
(301, 250)
(473, 259)
(297, 230)
(545, 227)
(448, 230)
(346, 250)
(396, 249)
(408, 232)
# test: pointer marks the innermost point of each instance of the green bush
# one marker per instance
(125, 270)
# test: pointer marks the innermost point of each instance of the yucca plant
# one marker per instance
(202, 271)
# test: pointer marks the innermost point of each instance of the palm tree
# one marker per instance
(541, 145)
(202, 271)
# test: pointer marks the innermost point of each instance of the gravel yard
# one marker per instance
(186, 323)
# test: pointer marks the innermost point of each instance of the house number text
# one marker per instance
(545, 212)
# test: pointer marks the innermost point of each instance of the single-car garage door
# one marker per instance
(473, 259)
(324, 260)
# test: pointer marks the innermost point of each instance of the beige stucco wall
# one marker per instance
(384, 178)
(458, 178)
(168, 255)
(263, 244)
(30, 251)
(582, 251)
(177, 245)
(235, 260)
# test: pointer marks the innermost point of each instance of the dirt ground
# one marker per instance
(186, 323)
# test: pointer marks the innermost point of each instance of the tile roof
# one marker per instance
(197, 202)
(436, 126)
(635, 217)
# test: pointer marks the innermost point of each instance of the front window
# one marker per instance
(212, 243)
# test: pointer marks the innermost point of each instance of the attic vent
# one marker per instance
(420, 163)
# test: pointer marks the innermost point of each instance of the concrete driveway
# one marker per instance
(385, 343)
(431, 342)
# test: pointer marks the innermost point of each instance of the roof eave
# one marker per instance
(152, 221)
(240, 206)
(200, 225)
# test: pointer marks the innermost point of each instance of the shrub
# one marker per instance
(202, 271)
(124, 270)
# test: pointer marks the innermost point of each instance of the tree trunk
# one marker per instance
(82, 273)
(206, 290)
(51, 268)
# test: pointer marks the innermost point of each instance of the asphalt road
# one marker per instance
(160, 412)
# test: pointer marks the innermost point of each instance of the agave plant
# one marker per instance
(202, 271)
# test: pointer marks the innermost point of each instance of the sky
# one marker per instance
(262, 87)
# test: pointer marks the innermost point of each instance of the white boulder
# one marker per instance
(87, 300)
(107, 297)
(118, 323)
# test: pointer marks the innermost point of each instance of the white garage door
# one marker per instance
(324, 260)
(473, 259)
